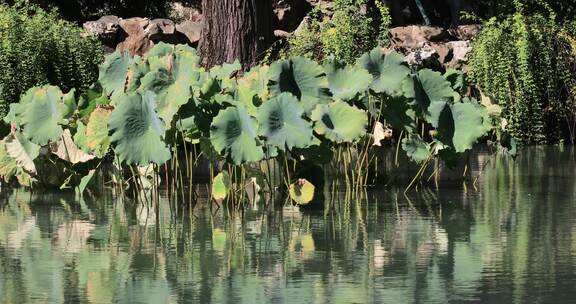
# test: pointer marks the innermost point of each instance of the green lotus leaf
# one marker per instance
(397, 112)
(160, 50)
(302, 77)
(347, 81)
(41, 114)
(67, 150)
(84, 182)
(389, 71)
(136, 131)
(282, 124)
(113, 72)
(302, 191)
(456, 78)
(136, 71)
(10, 169)
(225, 70)
(233, 133)
(252, 89)
(91, 99)
(70, 105)
(459, 125)
(509, 144)
(221, 186)
(80, 136)
(22, 151)
(427, 87)
(97, 140)
(416, 149)
(339, 122)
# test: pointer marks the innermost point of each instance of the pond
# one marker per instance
(511, 238)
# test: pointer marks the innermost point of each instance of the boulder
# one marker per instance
(106, 29)
(411, 37)
(191, 29)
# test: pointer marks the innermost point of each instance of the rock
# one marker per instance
(419, 56)
(185, 12)
(466, 32)
(191, 29)
(106, 29)
(411, 37)
(460, 53)
(134, 26)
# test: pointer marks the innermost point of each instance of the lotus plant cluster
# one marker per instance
(143, 110)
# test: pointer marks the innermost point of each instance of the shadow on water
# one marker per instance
(511, 240)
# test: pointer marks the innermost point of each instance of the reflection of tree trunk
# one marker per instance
(235, 29)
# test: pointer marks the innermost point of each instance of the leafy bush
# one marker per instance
(38, 48)
(525, 63)
(351, 31)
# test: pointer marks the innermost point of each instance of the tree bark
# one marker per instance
(235, 29)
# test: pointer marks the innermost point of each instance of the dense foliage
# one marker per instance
(526, 64)
(143, 110)
(354, 28)
(39, 48)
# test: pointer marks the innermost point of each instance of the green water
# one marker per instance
(510, 240)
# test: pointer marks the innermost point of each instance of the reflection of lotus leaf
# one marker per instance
(136, 131)
(339, 121)
(282, 124)
(302, 77)
(233, 133)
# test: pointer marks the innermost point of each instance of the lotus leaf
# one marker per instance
(97, 140)
(302, 191)
(416, 149)
(41, 113)
(67, 150)
(221, 186)
(339, 122)
(347, 81)
(456, 79)
(136, 131)
(160, 50)
(114, 71)
(388, 71)
(459, 125)
(233, 133)
(282, 124)
(84, 182)
(427, 87)
(398, 113)
(22, 151)
(302, 77)
(91, 99)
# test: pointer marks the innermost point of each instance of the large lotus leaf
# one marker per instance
(80, 136)
(233, 133)
(113, 72)
(389, 71)
(91, 99)
(347, 81)
(302, 77)
(136, 71)
(416, 149)
(282, 124)
(67, 150)
(426, 87)
(225, 70)
(160, 50)
(9, 168)
(397, 112)
(339, 122)
(136, 131)
(456, 79)
(221, 186)
(252, 89)
(302, 191)
(23, 151)
(459, 125)
(97, 140)
(42, 113)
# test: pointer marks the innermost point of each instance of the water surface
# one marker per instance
(510, 239)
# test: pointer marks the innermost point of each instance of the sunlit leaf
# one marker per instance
(302, 191)
(339, 121)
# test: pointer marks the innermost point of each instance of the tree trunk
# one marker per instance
(235, 29)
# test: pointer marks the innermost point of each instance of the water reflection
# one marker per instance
(512, 240)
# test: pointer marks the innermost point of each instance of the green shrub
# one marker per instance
(525, 64)
(39, 48)
(352, 30)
